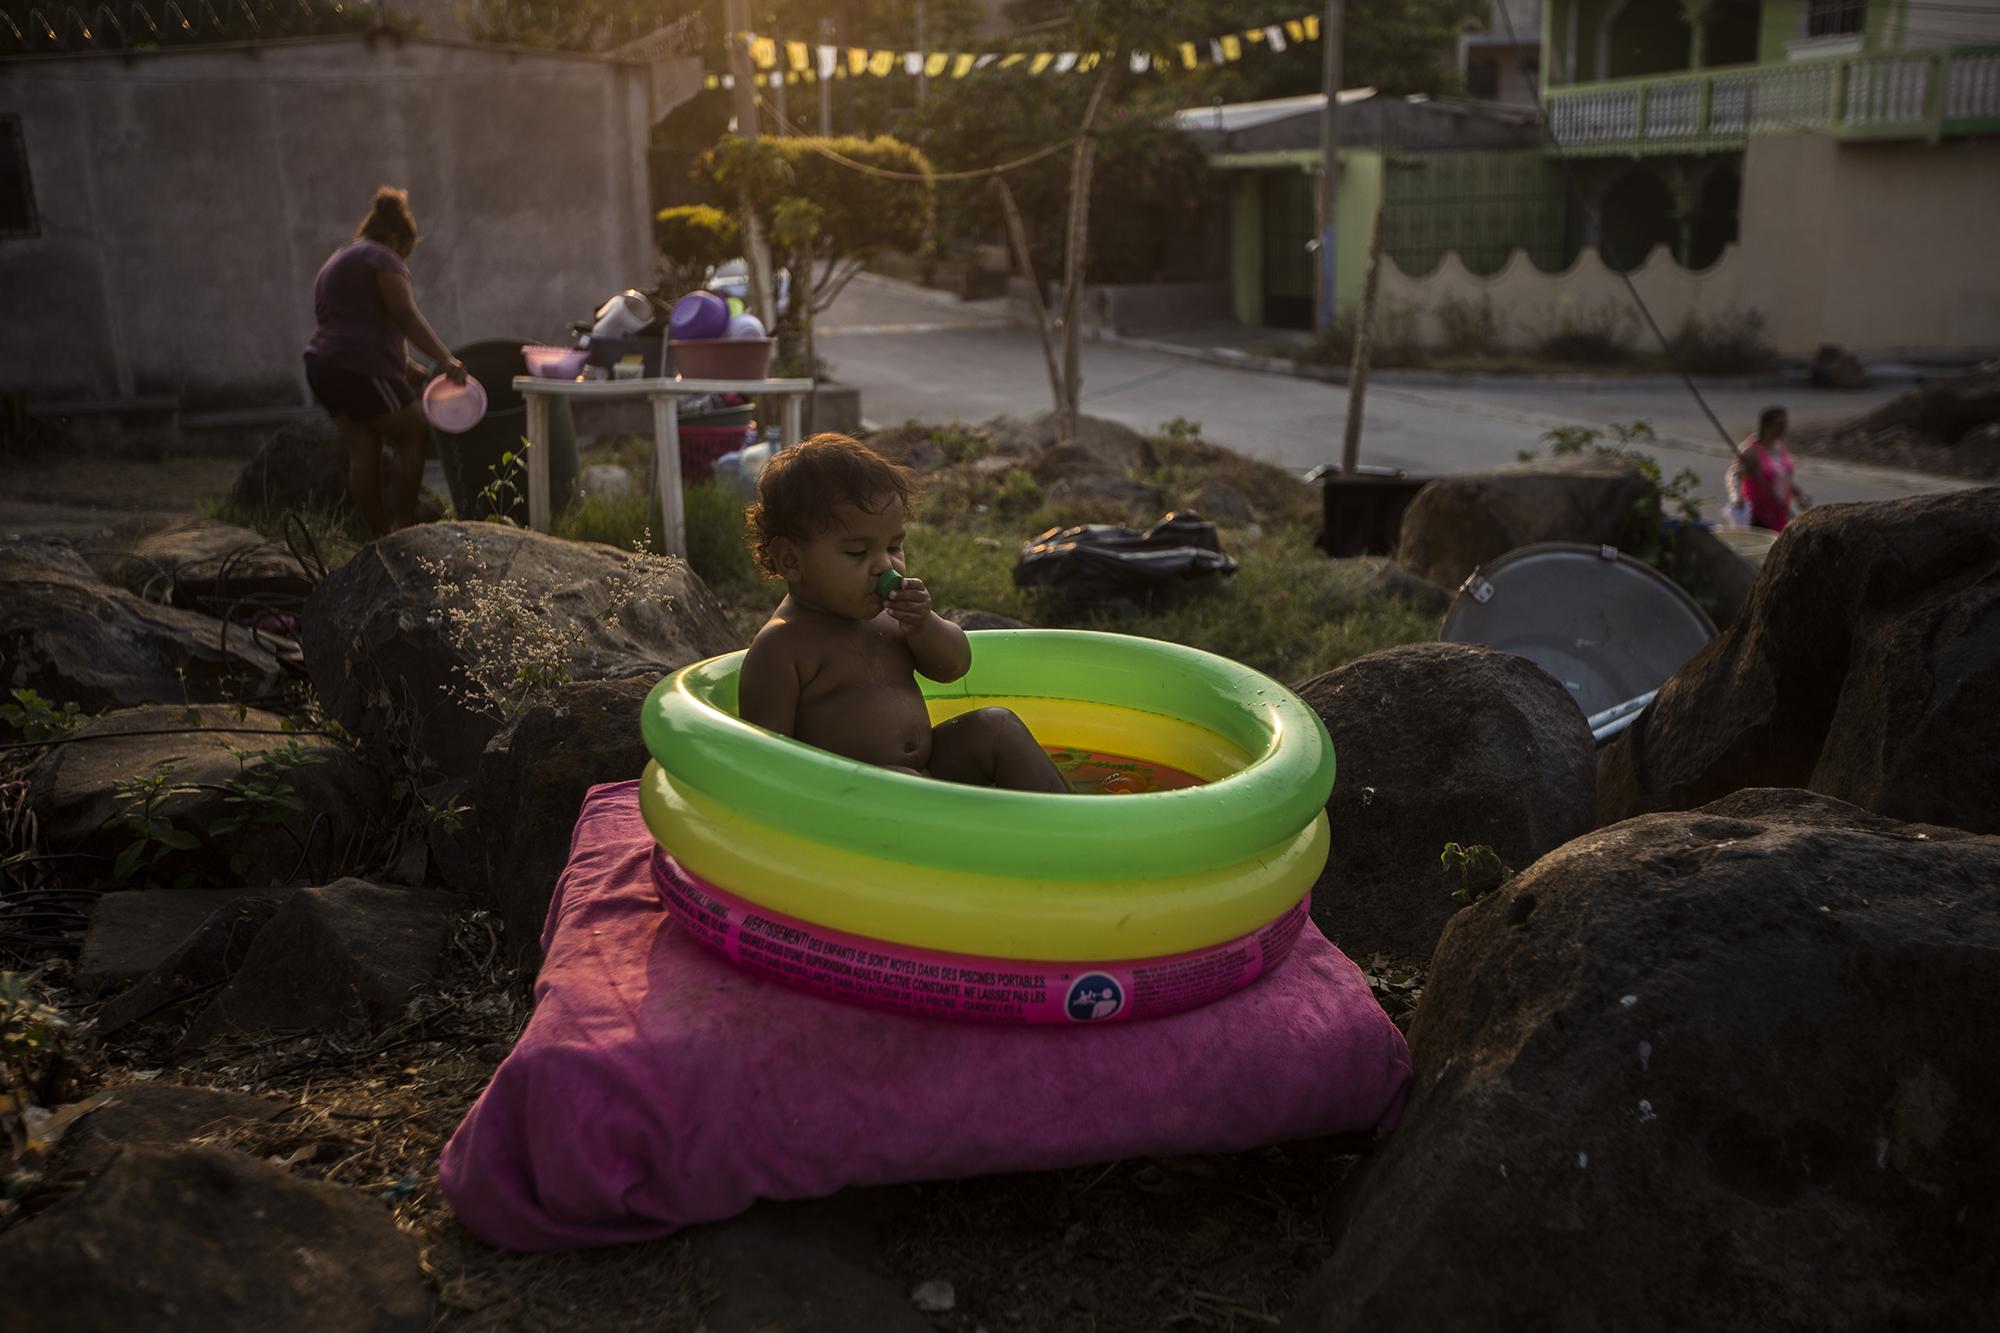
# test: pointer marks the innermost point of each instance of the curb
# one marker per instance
(1279, 365)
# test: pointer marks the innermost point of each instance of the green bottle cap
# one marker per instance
(888, 582)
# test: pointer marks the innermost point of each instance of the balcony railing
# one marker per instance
(1898, 95)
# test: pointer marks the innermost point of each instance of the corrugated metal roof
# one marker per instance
(1367, 119)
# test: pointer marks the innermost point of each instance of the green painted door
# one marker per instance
(1289, 213)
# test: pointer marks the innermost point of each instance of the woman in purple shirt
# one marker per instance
(358, 364)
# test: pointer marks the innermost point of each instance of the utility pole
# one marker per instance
(744, 78)
(1329, 168)
(825, 77)
(923, 55)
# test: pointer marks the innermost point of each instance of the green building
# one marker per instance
(1844, 153)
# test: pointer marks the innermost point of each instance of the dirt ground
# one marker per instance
(1219, 1242)
(57, 494)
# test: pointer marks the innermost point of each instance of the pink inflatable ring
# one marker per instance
(883, 975)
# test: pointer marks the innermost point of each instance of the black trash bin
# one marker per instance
(1362, 513)
(471, 460)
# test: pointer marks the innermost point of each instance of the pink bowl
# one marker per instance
(554, 363)
(454, 408)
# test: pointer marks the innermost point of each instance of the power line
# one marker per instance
(816, 146)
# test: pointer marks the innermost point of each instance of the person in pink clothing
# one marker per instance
(1762, 491)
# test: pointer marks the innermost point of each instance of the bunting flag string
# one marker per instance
(784, 61)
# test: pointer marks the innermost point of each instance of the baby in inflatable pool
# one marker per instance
(835, 665)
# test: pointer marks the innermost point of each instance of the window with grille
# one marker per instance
(17, 193)
(1835, 18)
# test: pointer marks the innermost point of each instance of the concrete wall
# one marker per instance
(187, 198)
(1139, 308)
(1529, 304)
(1885, 249)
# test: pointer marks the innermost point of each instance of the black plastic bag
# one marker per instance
(1103, 567)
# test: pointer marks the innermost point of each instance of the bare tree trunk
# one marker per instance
(802, 306)
(1018, 236)
(1071, 391)
(1364, 339)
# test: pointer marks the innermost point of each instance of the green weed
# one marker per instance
(1478, 868)
(39, 719)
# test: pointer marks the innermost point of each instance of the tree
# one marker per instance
(690, 242)
(828, 205)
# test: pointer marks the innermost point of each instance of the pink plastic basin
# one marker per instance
(555, 363)
(724, 358)
(454, 408)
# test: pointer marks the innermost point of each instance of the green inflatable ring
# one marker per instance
(690, 727)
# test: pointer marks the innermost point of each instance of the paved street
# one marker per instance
(922, 354)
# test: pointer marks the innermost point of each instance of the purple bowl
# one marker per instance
(699, 315)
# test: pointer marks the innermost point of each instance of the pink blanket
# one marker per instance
(657, 1086)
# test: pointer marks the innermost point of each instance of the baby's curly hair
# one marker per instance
(799, 490)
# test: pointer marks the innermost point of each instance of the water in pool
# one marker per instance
(1094, 773)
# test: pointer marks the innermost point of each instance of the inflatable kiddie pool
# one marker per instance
(880, 888)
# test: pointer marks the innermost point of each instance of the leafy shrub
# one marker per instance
(1731, 342)
(718, 539)
(1396, 343)
(1594, 335)
(1468, 327)
(690, 242)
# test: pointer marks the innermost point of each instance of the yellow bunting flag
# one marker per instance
(801, 58)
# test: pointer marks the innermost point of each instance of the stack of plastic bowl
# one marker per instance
(709, 344)
(554, 363)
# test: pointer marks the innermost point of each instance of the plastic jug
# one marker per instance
(624, 315)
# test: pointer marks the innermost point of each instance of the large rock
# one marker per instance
(206, 958)
(1103, 499)
(1726, 1069)
(219, 569)
(73, 638)
(428, 636)
(1099, 447)
(1718, 576)
(1437, 743)
(159, 1115)
(74, 791)
(1865, 667)
(1457, 524)
(133, 932)
(302, 466)
(212, 1240)
(532, 780)
(335, 959)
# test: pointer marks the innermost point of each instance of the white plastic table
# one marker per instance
(664, 395)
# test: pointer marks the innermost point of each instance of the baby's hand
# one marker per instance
(910, 604)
